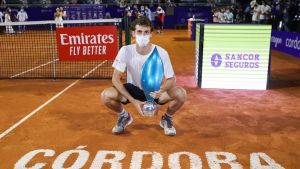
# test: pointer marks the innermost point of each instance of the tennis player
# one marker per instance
(7, 19)
(22, 17)
(1, 15)
(132, 58)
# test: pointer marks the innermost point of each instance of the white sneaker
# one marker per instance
(122, 123)
(167, 124)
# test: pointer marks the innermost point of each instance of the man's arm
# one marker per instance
(116, 80)
(169, 83)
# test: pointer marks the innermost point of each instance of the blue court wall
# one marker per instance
(286, 42)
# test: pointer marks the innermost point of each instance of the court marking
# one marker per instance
(36, 110)
(91, 71)
(26, 71)
(245, 49)
(47, 102)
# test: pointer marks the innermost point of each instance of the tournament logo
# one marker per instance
(216, 60)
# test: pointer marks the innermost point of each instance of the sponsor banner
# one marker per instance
(83, 12)
(236, 56)
(286, 42)
(87, 43)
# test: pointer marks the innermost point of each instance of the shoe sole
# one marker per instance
(130, 121)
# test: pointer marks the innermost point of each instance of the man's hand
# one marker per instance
(138, 106)
(156, 94)
(169, 83)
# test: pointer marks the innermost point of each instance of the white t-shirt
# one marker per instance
(160, 12)
(265, 10)
(148, 14)
(1, 16)
(221, 17)
(7, 17)
(261, 9)
(22, 16)
(255, 15)
(228, 17)
(129, 58)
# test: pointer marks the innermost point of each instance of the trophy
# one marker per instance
(151, 79)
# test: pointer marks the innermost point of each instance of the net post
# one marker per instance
(53, 51)
(201, 43)
(119, 26)
(127, 31)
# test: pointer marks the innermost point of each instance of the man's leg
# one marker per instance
(112, 99)
(176, 98)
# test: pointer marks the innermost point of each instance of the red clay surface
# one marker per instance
(212, 120)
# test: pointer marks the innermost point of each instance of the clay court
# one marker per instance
(64, 115)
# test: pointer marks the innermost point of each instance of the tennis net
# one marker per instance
(29, 50)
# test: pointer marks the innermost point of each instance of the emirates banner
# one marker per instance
(87, 43)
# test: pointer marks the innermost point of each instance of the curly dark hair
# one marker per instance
(142, 21)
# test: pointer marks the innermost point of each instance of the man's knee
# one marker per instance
(178, 93)
(109, 94)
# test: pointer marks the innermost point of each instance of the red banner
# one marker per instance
(87, 43)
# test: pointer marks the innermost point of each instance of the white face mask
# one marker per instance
(142, 40)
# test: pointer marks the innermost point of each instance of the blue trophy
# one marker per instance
(151, 79)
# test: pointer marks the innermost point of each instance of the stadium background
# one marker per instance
(240, 122)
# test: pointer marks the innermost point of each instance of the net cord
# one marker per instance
(114, 20)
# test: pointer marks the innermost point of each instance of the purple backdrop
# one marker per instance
(286, 42)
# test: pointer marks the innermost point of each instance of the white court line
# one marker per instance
(36, 110)
(238, 49)
(93, 69)
(46, 103)
(33, 69)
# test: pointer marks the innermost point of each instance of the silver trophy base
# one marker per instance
(149, 109)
